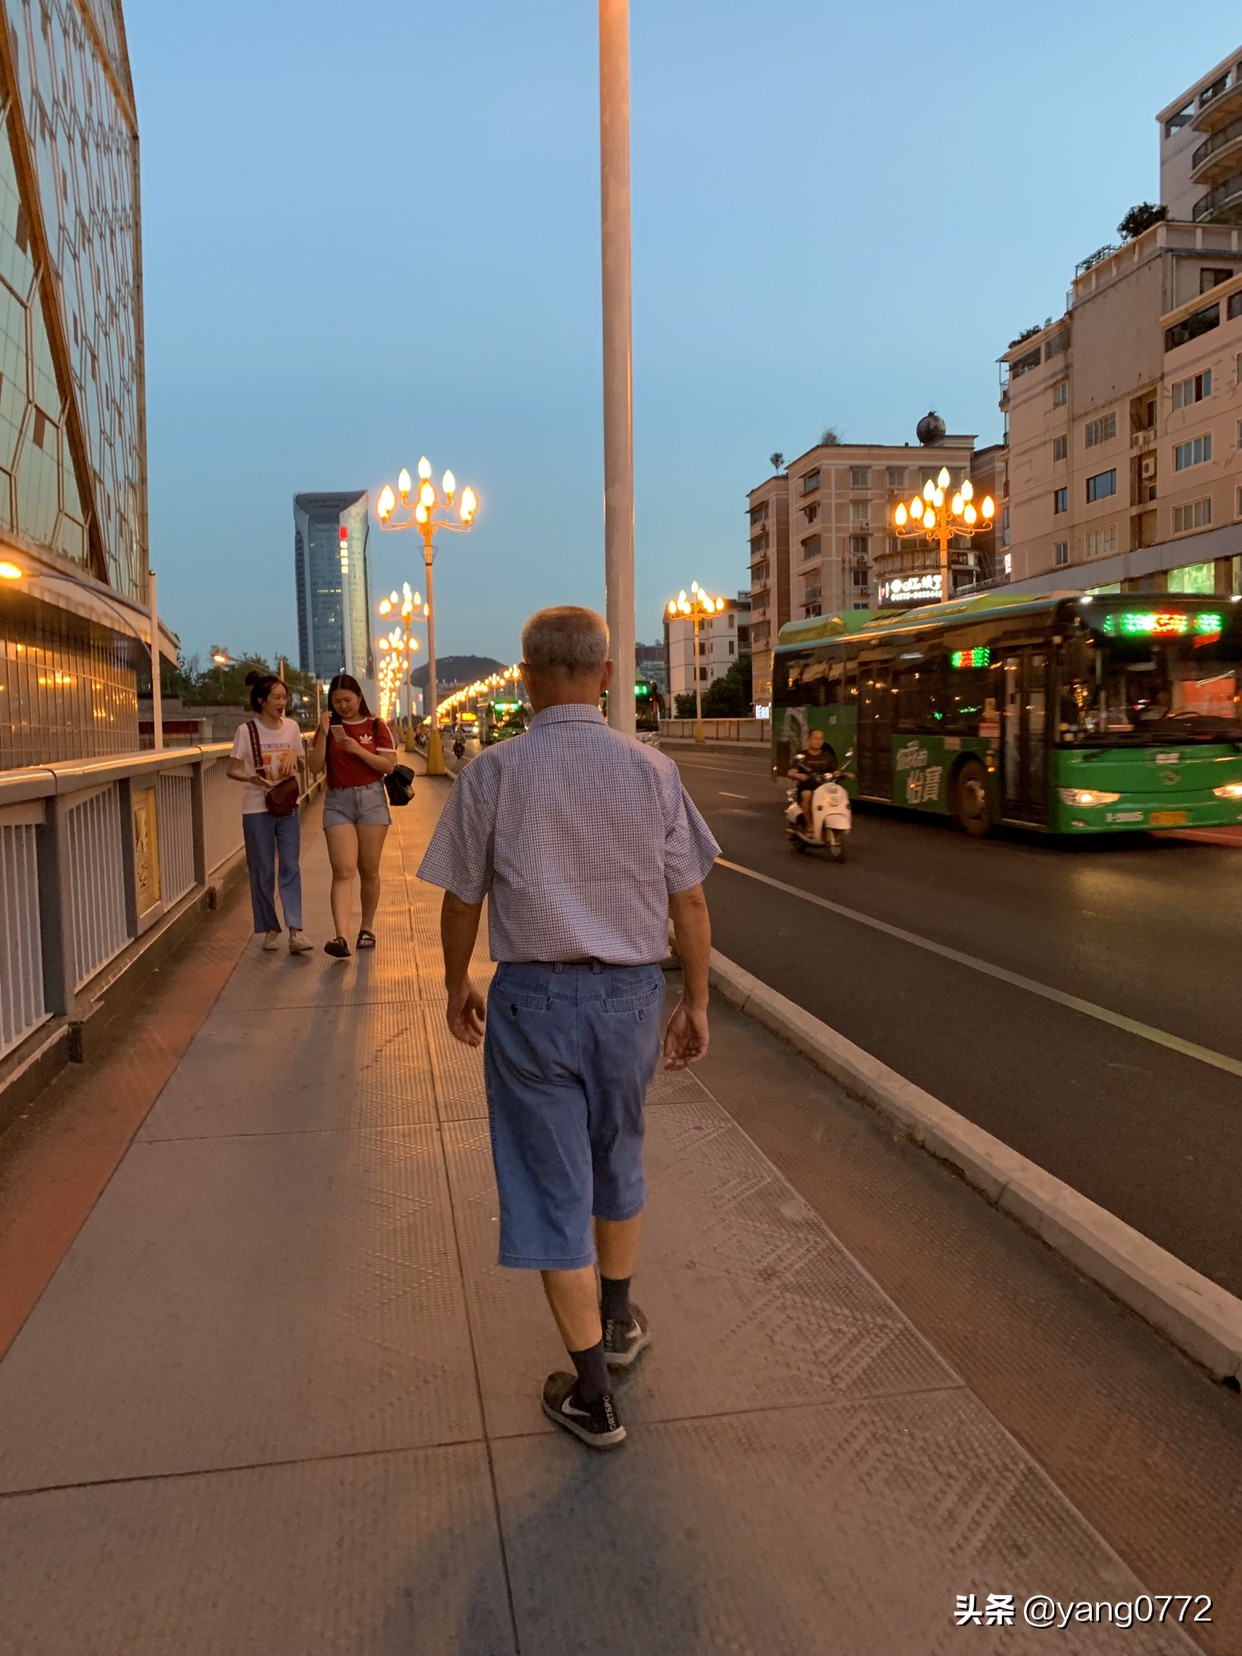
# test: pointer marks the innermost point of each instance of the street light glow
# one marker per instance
(11, 572)
(403, 482)
(424, 468)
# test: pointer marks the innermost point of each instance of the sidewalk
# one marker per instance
(279, 1399)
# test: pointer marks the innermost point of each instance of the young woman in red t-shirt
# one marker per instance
(357, 751)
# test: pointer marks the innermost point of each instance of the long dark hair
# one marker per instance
(347, 681)
(261, 686)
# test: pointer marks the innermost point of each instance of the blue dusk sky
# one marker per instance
(372, 232)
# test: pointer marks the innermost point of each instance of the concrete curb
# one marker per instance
(1196, 1314)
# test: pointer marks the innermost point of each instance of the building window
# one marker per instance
(1028, 360)
(732, 647)
(1102, 485)
(1060, 448)
(1196, 515)
(1237, 510)
(860, 511)
(1212, 277)
(896, 477)
(1060, 552)
(1102, 430)
(811, 546)
(1192, 453)
(1060, 501)
(1175, 123)
(810, 481)
(859, 546)
(1193, 326)
(1233, 306)
(1060, 394)
(1240, 433)
(860, 477)
(1239, 367)
(860, 577)
(811, 609)
(1197, 580)
(1100, 542)
(1192, 390)
(811, 512)
(732, 618)
(758, 514)
(702, 675)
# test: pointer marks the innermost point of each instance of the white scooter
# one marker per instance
(831, 819)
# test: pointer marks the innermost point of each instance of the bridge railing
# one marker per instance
(718, 730)
(93, 854)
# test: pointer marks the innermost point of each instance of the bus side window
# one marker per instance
(917, 701)
(966, 691)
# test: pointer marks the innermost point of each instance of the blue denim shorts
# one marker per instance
(366, 806)
(569, 1054)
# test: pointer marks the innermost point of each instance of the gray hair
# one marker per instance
(566, 640)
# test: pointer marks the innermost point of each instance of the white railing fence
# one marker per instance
(718, 730)
(92, 855)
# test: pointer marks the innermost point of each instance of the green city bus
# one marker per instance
(500, 719)
(1065, 712)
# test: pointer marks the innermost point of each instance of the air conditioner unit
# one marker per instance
(1149, 465)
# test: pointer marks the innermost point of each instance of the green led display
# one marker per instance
(981, 657)
(1163, 623)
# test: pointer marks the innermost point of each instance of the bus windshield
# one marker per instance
(1147, 691)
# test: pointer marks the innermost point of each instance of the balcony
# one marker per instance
(1217, 157)
(1220, 108)
(1223, 205)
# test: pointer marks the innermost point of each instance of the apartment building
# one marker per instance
(1124, 416)
(723, 637)
(1125, 419)
(821, 535)
(1201, 146)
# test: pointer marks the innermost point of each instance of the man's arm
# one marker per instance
(459, 926)
(685, 1039)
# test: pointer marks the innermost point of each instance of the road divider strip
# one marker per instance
(1089, 1009)
(1199, 1316)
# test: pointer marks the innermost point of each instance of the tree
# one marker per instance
(1027, 333)
(831, 437)
(1141, 218)
(776, 460)
(725, 698)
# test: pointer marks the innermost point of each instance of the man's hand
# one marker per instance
(685, 1039)
(465, 1013)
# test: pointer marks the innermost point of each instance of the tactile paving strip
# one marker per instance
(846, 1530)
(369, 1556)
(752, 1303)
(299, 1070)
(246, 1300)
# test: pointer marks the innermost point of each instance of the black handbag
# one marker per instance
(399, 783)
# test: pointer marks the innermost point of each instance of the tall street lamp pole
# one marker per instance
(938, 519)
(406, 604)
(614, 159)
(696, 605)
(426, 515)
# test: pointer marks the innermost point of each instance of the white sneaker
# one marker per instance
(299, 943)
(271, 941)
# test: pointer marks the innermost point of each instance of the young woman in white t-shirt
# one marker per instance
(270, 839)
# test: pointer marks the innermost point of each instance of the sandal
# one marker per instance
(337, 947)
(366, 939)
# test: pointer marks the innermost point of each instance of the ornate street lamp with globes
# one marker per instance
(938, 518)
(698, 605)
(427, 514)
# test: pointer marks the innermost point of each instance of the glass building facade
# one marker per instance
(73, 508)
(330, 533)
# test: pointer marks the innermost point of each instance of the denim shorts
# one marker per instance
(366, 806)
(569, 1054)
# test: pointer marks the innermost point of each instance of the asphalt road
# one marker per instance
(1146, 930)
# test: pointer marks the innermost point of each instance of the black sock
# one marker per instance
(614, 1299)
(592, 1373)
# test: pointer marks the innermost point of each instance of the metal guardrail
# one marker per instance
(718, 730)
(93, 853)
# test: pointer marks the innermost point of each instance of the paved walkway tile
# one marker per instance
(279, 1398)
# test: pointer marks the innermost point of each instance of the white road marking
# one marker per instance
(725, 794)
(1131, 1026)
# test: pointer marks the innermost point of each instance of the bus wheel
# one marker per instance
(970, 799)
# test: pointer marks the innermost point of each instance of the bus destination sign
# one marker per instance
(1163, 624)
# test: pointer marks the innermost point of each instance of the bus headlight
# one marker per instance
(1231, 790)
(1088, 796)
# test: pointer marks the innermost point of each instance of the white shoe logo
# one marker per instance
(568, 1408)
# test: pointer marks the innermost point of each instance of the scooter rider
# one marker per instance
(813, 766)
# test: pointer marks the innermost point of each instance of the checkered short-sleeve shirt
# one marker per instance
(577, 835)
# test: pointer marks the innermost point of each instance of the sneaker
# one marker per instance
(299, 943)
(271, 942)
(597, 1425)
(624, 1341)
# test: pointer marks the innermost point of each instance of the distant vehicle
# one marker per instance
(1073, 713)
(648, 708)
(501, 719)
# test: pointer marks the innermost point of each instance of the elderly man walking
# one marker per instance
(584, 842)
